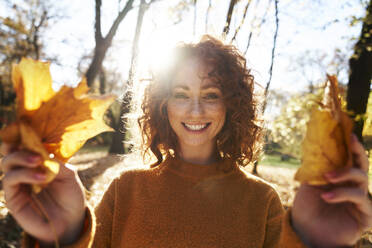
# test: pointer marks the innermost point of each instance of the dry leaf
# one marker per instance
(326, 146)
(49, 122)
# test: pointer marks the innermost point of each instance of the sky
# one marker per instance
(306, 27)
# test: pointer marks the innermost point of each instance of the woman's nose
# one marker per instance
(196, 107)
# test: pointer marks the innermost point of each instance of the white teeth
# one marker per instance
(195, 127)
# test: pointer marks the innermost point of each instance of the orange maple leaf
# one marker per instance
(326, 146)
(52, 124)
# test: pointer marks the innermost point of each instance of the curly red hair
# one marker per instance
(239, 138)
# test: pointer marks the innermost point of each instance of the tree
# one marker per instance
(21, 36)
(361, 74)
(120, 129)
(103, 43)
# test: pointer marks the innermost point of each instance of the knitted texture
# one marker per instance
(178, 204)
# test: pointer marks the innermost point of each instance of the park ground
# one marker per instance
(96, 170)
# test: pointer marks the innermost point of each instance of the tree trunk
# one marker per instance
(96, 64)
(102, 81)
(361, 74)
(118, 138)
(117, 145)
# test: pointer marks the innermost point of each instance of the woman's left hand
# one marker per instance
(337, 214)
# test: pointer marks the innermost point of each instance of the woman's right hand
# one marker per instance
(62, 199)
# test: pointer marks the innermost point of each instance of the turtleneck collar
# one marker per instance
(192, 170)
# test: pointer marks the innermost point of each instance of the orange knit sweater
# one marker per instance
(178, 204)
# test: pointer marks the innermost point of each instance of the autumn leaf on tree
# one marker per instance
(326, 146)
(52, 124)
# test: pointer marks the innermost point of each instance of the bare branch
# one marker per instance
(263, 20)
(128, 6)
(207, 15)
(141, 12)
(35, 40)
(226, 28)
(242, 21)
(195, 15)
(272, 56)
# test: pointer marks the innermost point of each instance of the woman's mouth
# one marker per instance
(196, 127)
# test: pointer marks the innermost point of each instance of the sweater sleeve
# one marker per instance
(279, 232)
(104, 217)
(288, 237)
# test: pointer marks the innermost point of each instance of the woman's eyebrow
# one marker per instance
(184, 87)
(210, 86)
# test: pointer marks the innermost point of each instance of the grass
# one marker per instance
(276, 161)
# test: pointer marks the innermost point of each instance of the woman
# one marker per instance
(200, 121)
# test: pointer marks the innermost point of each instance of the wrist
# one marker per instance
(313, 239)
(71, 235)
(74, 231)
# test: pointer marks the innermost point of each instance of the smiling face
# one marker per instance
(196, 111)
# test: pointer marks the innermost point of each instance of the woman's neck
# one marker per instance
(198, 155)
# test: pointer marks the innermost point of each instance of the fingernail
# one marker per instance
(331, 174)
(34, 158)
(40, 176)
(354, 137)
(328, 195)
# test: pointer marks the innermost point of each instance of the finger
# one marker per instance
(20, 159)
(16, 178)
(23, 176)
(353, 175)
(353, 195)
(6, 148)
(359, 153)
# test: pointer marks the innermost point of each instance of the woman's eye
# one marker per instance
(211, 96)
(180, 96)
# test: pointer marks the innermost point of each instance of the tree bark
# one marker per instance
(117, 145)
(95, 66)
(361, 74)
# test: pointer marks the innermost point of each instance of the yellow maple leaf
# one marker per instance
(326, 146)
(52, 124)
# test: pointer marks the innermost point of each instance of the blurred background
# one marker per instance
(290, 46)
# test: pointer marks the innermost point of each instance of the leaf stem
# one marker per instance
(46, 218)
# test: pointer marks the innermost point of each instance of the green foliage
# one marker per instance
(289, 128)
(277, 161)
